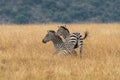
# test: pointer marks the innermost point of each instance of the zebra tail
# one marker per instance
(86, 34)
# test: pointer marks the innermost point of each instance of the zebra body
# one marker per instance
(75, 40)
(59, 45)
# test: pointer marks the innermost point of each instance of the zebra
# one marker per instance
(75, 39)
(59, 45)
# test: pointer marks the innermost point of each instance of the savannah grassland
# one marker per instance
(23, 56)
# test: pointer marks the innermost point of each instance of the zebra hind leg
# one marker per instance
(80, 44)
(81, 51)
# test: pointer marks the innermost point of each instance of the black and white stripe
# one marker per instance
(75, 40)
(60, 46)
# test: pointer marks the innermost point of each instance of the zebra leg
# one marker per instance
(80, 43)
(80, 51)
(74, 53)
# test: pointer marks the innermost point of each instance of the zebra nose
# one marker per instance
(43, 41)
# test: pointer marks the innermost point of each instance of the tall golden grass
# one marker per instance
(23, 56)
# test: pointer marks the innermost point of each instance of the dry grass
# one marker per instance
(24, 57)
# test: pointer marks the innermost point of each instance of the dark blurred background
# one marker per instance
(63, 11)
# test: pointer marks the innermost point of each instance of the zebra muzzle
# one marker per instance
(43, 41)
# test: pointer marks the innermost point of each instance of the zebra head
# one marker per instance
(63, 31)
(52, 36)
(49, 36)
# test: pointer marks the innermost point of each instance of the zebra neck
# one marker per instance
(66, 34)
(57, 42)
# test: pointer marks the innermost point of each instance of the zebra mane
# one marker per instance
(51, 31)
(65, 28)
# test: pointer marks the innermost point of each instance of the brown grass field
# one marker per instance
(23, 56)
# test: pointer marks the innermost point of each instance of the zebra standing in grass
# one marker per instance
(75, 39)
(59, 45)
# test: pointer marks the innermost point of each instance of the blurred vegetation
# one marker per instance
(65, 11)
